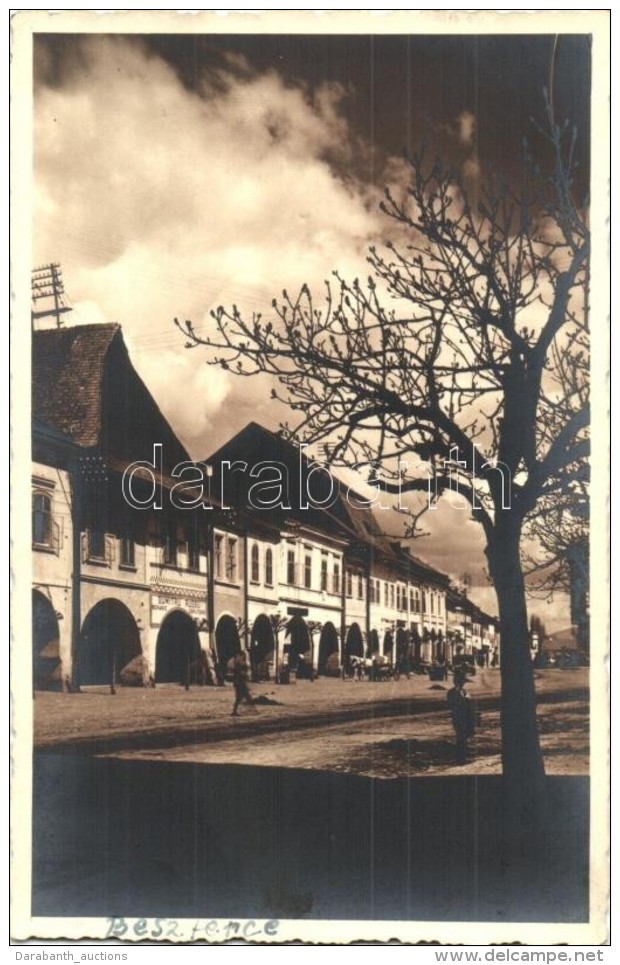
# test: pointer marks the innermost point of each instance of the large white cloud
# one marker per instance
(160, 202)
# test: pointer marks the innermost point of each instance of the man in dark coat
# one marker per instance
(463, 713)
(240, 682)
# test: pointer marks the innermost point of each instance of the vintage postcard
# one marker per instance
(310, 445)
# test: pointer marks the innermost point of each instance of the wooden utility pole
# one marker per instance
(47, 284)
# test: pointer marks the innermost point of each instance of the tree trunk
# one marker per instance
(523, 815)
(522, 762)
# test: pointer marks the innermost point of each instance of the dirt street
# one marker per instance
(382, 730)
(160, 803)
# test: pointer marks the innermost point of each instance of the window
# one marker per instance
(360, 586)
(254, 564)
(308, 570)
(385, 594)
(128, 552)
(96, 544)
(392, 596)
(371, 591)
(432, 595)
(219, 563)
(349, 583)
(170, 545)
(324, 574)
(193, 546)
(231, 559)
(193, 551)
(42, 519)
(290, 567)
(269, 568)
(336, 578)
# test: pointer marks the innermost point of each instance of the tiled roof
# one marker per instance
(348, 512)
(67, 377)
(84, 385)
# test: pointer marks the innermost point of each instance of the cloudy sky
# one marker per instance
(177, 173)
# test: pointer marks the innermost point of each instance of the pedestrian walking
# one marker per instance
(463, 714)
(240, 682)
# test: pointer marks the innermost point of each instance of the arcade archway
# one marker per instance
(388, 644)
(441, 646)
(402, 649)
(433, 636)
(426, 647)
(328, 646)
(46, 669)
(227, 641)
(177, 652)
(298, 637)
(109, 651)
(417, 644)
(373, 643)
(354, 644)
(262, 646)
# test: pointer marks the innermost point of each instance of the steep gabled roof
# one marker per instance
(67, 378)
(254, 443)
(84, 385)
(414, 565)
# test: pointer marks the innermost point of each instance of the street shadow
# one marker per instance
(164, 839)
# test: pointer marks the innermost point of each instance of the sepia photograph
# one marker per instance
(310, 449)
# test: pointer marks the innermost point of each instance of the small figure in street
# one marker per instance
(463, 713)
(305, 670)
(240, 682)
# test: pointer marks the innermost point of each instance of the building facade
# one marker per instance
(139, 578)
(128, 586)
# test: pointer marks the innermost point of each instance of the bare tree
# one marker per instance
(468, 371)
(561, 561)
(559, 530)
